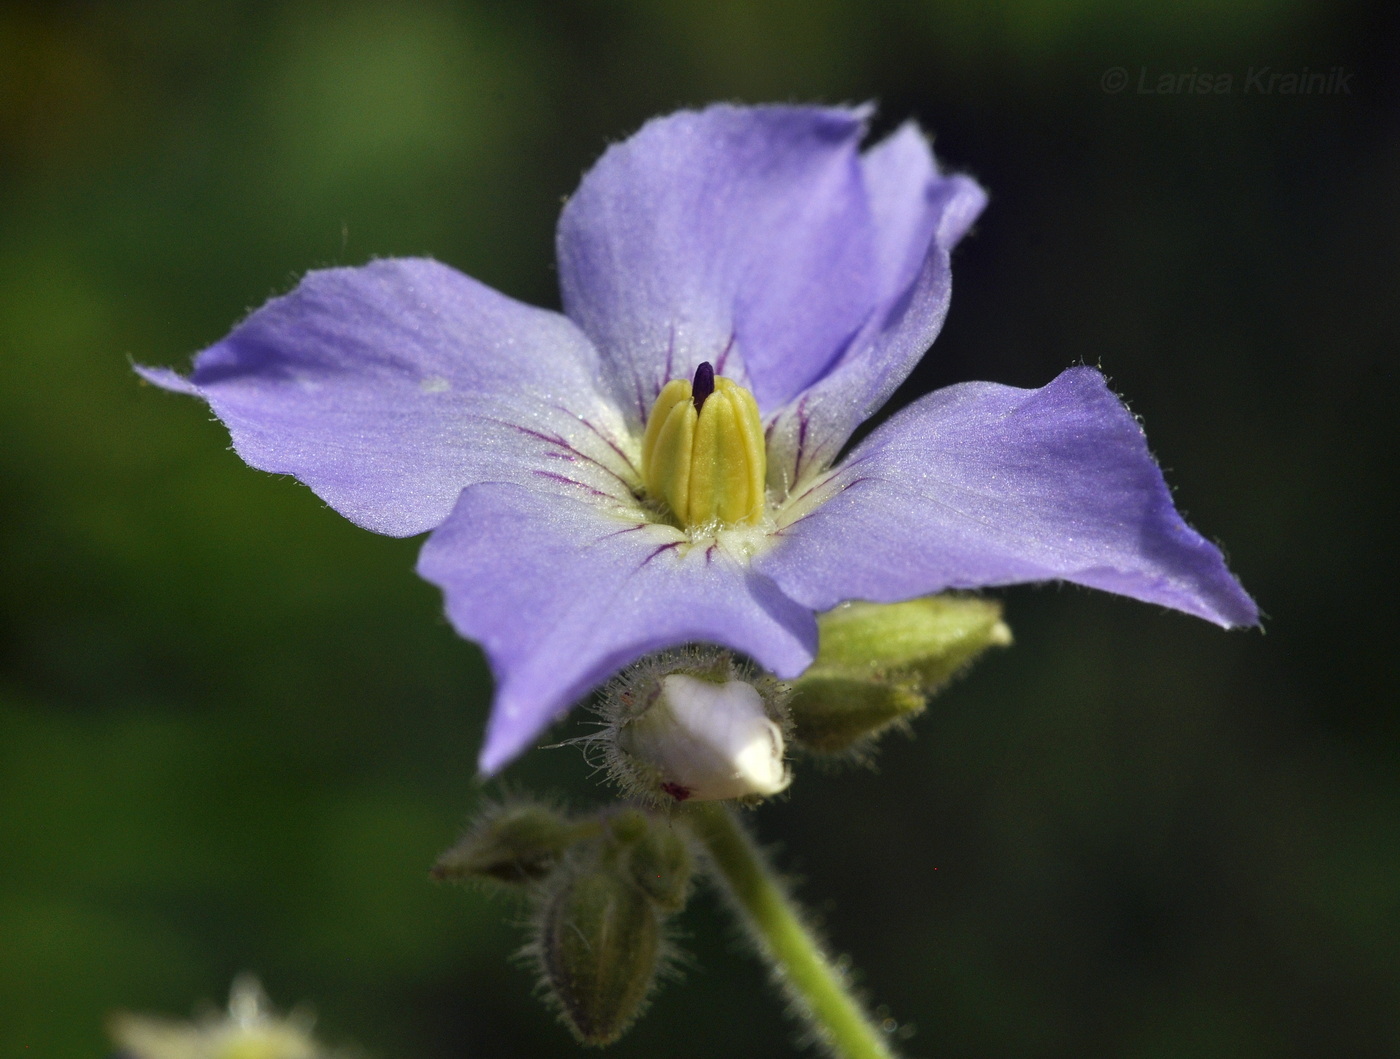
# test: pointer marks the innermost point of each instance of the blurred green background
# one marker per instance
(235, 730)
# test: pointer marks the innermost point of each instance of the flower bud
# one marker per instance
(599, 945)
(833, 714)
(517, 844)
(659, 862)
(705, 740)
(877, 664)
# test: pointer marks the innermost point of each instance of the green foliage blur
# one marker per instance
(235, 731)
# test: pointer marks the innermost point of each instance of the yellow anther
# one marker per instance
(706, 465)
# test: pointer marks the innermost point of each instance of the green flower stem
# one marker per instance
(798, 961)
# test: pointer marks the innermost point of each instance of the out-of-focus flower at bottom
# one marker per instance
(249, 1030)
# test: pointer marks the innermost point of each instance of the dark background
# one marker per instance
(235, 730)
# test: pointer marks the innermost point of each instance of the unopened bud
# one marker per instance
(660, 863)
(707, 741)
(599, 945)
(834, 714)
(519, 843)
(877, 664)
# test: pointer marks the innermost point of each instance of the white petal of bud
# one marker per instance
(708, 741)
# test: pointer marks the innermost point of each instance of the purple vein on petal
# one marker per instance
(619, 533)
(802, 419)
(642, 403)
(570, 452)
(660, 548)
(570, 481)
(808, 491)
(609, 442)
(858, 480)
(670, 355)
(723, 358)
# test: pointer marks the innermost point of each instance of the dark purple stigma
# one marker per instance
(704, 384)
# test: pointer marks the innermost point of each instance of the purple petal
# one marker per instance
(167, 380)
(389, 388)
(561, 594)
(910, 203)
(919, 215)
(980, 484)
(736, 235)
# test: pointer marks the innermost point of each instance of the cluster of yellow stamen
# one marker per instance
(703, 453)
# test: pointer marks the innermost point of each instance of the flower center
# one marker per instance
(703, 453)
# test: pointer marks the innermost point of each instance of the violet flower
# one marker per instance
(760, 241)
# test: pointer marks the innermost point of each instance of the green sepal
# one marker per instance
(599, 944)
(660, 863)
(515, 844)
(832, 714)
(877, 664)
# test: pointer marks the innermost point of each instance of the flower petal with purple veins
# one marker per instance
(389, 388)
(919, 216)
(741, 236)
(561, 595)
(980, 484)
